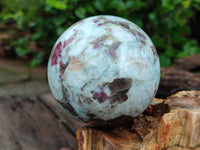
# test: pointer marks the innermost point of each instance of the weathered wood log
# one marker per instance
(174, 79)
(181, 75)
(35, 124)
(170, 124)
(190, 63)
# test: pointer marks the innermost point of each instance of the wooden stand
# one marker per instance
(170, 124)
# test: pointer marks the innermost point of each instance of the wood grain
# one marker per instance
(170, 124)
(35, 124)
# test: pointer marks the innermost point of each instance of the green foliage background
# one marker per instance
(167, 22)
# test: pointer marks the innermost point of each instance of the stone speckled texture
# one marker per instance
(103, 68)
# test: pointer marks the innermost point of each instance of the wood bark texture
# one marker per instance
(184, 74)
(167, 124)
(35, 124)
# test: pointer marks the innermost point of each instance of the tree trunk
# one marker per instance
(167, 124)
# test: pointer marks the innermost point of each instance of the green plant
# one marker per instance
(165, 21)
(21, 46)
(22, 11)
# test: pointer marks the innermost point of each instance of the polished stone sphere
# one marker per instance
(104, 69)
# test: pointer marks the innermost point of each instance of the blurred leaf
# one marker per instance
(99, 5)
(59, 4)
(118, 5)
(14, 16)
(186, 3)
(34, 62)
(170, 4)
(198, 1)
(167, 4)
(58, 21)
(48, 8)
(189, 48)
(152, 16)
(38, 58)
(164, 61)
(90, 9)
(182, 54)
(60, 30)
(197, 6)
(138, 22)
(80, 12)
(177, 38)
(18, 16)
(170, 52)
(158, 41)
(37, 35)
(134, 4)
(20, 42)
(20, 51)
